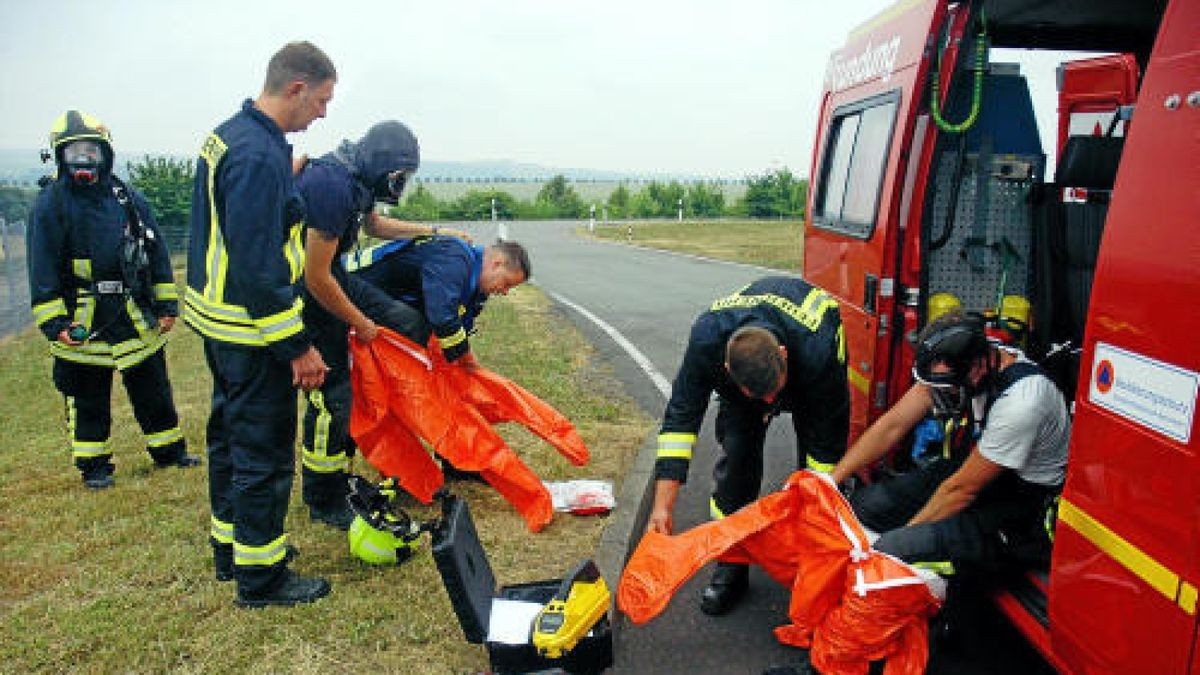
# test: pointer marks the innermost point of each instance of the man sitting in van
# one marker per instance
(1006, 459)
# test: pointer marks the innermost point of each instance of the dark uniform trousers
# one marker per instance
(88, 393)
(741, 430)
(327, 443)
(251, 458)
(1005, 521)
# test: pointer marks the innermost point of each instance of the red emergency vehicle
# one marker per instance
(931, 190)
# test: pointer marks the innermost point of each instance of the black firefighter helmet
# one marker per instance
(383, 160)
(82, 146)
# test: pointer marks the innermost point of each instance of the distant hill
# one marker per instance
(22, 167)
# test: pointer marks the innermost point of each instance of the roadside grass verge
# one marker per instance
(777, 244)
(121, 580)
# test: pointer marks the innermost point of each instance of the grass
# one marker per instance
(777, 244)
(121, 580)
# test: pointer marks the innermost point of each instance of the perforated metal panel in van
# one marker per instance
(972, 261)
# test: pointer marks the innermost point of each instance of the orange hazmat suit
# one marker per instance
(850, 604)
(404, 394)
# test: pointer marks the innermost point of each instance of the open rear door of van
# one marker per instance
(865, 168)
(1126, 564)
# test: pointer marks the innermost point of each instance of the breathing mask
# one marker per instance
(83, 161)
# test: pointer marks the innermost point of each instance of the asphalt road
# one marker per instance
(650, 298)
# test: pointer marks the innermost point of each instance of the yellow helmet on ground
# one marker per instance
(381, 534)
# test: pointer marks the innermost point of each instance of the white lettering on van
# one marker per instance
(873, 62)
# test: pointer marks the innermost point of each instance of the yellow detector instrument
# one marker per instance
(579, 603)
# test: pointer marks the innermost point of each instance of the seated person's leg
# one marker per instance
(892, 502)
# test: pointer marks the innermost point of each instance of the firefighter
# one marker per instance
(245, 260)
(1005, 462)
(447, 280)
(776, 345)
(102, 293)
(340, 191)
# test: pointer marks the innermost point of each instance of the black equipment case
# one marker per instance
(471, 585)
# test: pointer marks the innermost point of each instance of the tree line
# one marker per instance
(167, 185)
(775, 194)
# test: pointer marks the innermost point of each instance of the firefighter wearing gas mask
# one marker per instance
(102, 293)
(985, 500)
(340, 191)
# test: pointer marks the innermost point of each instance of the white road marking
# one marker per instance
(661, 383)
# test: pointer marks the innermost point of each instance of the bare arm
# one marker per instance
(959, 490)
(319, 251)
(661, 514)
(386, 227)
(885, 433)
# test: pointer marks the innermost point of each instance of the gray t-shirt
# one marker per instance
(1028, 430)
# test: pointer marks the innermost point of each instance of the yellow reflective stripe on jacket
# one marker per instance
(85, 309)
(676, 445)
(452, 339)
(841, 341)
(48, 310)
(271, 553)
(82, 267)
(294, 251)
(220, 321)
(715, 511)
(166, 292)
(87, 449)
(215, 259)
(164, 438)
(361, 258)
(808, 313)
(121, 356)
(282, 325)
(220, 531)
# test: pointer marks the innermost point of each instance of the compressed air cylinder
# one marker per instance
(942, 303)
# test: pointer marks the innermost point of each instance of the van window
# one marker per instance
(852, 173)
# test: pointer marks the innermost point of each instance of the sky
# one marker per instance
(714, 87)
(721, 88)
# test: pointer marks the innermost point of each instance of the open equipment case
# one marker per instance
(471, 585)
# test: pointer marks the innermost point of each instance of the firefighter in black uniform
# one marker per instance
(102, 293)
(447, 280)
(776, 345)
(340, 191)
(245, 260)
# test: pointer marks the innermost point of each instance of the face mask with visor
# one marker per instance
(391, 185)
(949, 392)
(83, 160)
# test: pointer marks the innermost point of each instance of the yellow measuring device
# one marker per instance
(579, 603)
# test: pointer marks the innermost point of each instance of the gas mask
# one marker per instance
(83, 161)
(391, 185)
(950, 393)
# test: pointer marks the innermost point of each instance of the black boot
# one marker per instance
(334, 515)
(292, 589)
(97, 475)
(175, 454)
(325, 494)
(183, 461)
(725, 590)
